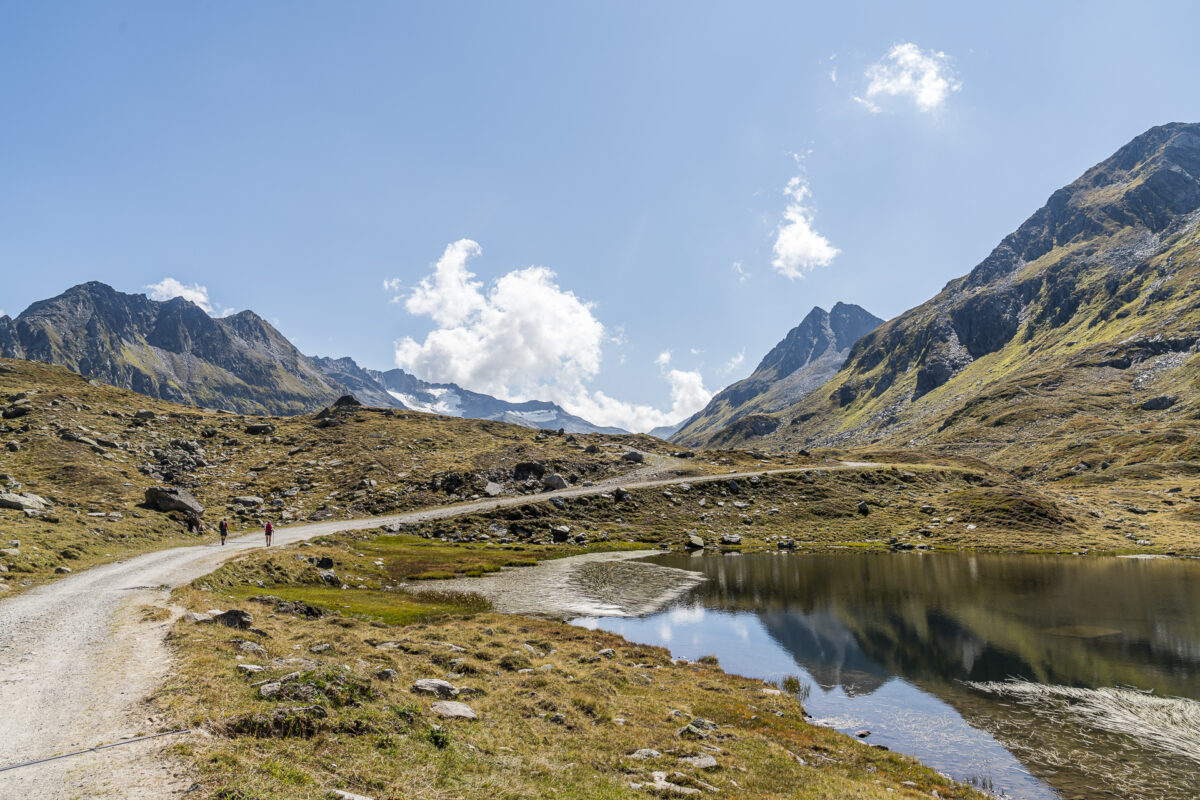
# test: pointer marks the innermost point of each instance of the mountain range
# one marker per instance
(174, 350)
(1072, 344)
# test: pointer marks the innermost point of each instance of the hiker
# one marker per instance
(268, 530)
(224, 529)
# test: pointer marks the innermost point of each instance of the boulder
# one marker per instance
(554, 481)
(144, 415)
(493, 489)
(172, 498)
(591, 449)
(235, 618)
(863, 508)
(645, 754)
(436, 687)
(621, 495)
(23, 502)
(453, 710)
(701, 762)
(193, 616)
(633, 456)
(694, 541)
(387, 674)
(560, 533)
(731, 538)
(329, 577)
(260, 429)
(1160, 403)
(62, 570)
(248, 500)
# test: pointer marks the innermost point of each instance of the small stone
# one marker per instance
(251, 647)
(701, 761)
(864, 733)
(645, 754)
(321, 647)
(436, 687)
(338, 794)
(453, 710)
(387, 674)
(250, 669)
(607, 652)
(559, 719)
(62, 570)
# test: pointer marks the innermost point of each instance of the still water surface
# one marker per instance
(1035, 677)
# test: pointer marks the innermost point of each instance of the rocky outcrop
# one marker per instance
(172, 350)
(808, 356)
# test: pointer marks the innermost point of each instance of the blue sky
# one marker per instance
(582, 187)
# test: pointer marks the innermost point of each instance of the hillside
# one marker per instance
(92, 451)
(1070, 349)
(810, 354)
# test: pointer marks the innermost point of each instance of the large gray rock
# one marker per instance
(23, 502)
(633, 456)
(172, 498)
(453, 710)
(235, 618)
(694, 541)
(248, 500)
(554, 481)
(492, 489)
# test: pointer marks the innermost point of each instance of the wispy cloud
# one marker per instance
(392, 286)
(740, 271)
(735, 362)
(924, 77)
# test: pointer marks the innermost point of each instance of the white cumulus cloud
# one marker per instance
(798, 247)
(525, 337)
(169, 288)
(925, 77)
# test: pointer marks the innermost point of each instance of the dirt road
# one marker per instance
(77, 660)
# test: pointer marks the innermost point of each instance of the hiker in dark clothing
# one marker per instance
(224, 529)
(268, 530)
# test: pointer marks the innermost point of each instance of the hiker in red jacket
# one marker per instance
(224, 529)
(268, 530)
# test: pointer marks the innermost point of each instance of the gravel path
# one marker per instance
(77, 661)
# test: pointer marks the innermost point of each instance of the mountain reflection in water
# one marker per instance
(920, 648)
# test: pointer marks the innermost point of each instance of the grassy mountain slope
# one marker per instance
(80, 445)
(1073, 343)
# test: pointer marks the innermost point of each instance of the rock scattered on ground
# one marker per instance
(436, 687)
(453, 710)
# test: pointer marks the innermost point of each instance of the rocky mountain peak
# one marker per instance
(1151, 182)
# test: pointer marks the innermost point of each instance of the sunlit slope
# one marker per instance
(1073, 341)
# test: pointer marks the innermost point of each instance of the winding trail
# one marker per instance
(78, 661)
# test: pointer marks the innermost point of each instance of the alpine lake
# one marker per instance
(1031, 677)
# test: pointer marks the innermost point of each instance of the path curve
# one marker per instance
(77, 661)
